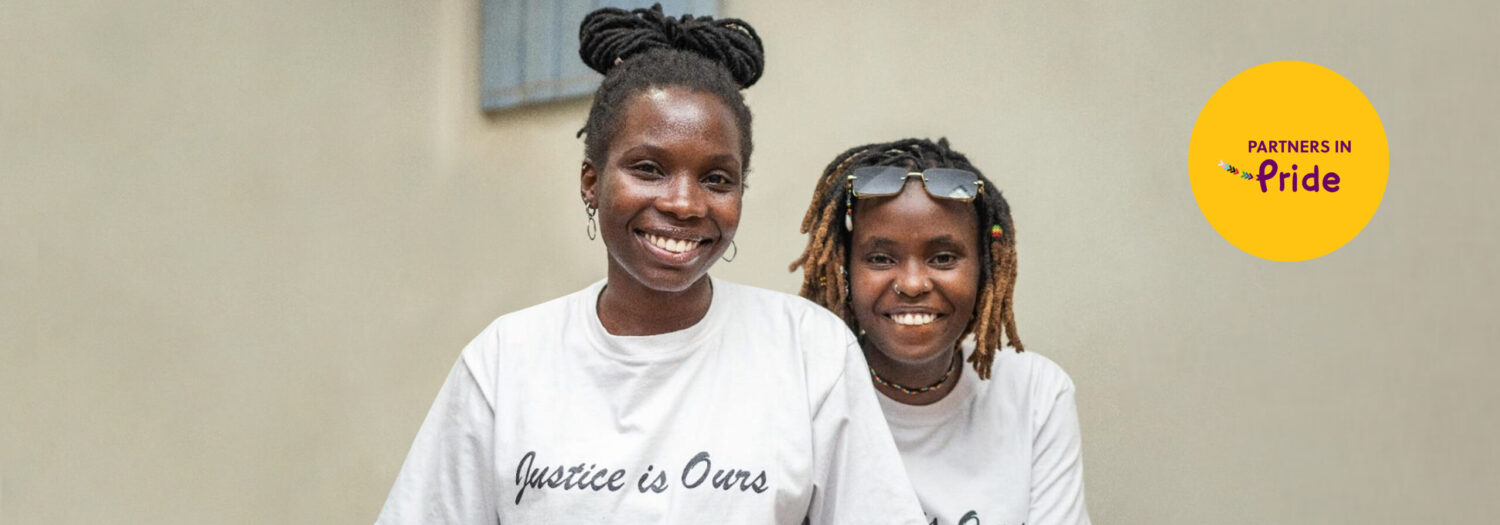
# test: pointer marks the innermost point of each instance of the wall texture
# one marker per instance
(241, 245)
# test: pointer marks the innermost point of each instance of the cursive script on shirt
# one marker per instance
(698, 472)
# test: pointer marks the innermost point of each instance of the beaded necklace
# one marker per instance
(913, 391)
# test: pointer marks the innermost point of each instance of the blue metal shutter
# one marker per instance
(530, 47)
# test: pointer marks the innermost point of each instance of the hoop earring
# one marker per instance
(736, 252)
(592, 230)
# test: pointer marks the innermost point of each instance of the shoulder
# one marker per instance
(801, 316)
(771, 300)
(1031, 376)
(1030, 368)
(1045, 373)
(523, 329)
(812, 335)
(527, 318)
(519, 323)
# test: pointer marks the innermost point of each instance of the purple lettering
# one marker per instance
(1310, 181)
(1264, 176)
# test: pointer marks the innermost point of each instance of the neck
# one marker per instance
(626, 307)
(915, 375)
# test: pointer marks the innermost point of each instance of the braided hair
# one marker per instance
(825, 277)
(643, 48)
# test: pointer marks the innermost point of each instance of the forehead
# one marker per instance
(679, 119)
(913, 215)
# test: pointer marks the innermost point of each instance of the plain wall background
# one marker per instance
(242, 244)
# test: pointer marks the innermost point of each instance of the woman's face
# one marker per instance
(928, 247)
(669, 189)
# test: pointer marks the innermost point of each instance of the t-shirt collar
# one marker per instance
(956, 402)
(642, 349)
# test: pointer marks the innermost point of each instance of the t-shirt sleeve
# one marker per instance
(859, 476)
(1057, 457)
(449, 475)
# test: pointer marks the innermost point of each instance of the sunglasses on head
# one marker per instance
(942, 183)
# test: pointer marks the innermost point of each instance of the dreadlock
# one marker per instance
(825, 276)
(643, 48)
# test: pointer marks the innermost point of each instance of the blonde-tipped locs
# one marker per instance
(825, 276)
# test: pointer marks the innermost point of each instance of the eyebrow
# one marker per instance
(724, 158)
(946, 240)
(652, 149)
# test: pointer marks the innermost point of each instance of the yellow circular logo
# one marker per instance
(1288, 161)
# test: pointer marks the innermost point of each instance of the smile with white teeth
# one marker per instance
(912, 319)
(672, 245)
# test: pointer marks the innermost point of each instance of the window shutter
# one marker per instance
(530, 47)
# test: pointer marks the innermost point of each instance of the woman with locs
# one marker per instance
(659, 394)
(916, 250)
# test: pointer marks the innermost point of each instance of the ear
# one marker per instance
(588, 184)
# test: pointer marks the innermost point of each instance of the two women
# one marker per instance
(660, 394)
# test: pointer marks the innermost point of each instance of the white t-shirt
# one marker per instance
(999, 452)
(762, 412)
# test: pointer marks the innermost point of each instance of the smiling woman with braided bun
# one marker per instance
(660, 394)
(916, 250)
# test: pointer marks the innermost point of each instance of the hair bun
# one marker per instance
(610, 35)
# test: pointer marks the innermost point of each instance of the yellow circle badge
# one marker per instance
(1288, 161)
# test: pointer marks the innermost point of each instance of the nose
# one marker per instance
(684, 199)
(912, 280)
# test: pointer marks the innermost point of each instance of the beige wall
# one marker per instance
(241, 245)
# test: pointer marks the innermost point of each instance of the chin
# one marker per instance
(910, 354)
(668, 280)
(909, 345)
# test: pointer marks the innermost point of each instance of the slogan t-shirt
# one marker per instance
(1003, 451)
(761, 412)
